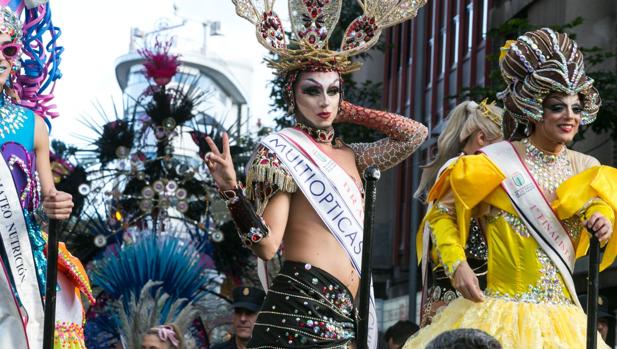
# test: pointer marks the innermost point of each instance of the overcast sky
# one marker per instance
(96, 33)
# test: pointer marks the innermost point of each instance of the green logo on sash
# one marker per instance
(518, 179)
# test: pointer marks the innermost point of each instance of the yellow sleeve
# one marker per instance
(591, 191)
(446, 238)
(473, 179)
(439, 189)
(466, 184)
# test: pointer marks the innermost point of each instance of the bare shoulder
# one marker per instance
(344, 152)
(41, 132)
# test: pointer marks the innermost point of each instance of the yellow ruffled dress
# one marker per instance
(526, 302)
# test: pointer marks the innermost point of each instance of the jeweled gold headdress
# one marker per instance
(312, 23)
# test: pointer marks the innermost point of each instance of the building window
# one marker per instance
(484, 18)
(455, 30)
(442, 66)
(429, 71)
(443, 34)
(431, 44)
(469, 25)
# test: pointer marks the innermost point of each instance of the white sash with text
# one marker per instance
(335, 196)
(535, 211)
(10, 316)
(17, 246)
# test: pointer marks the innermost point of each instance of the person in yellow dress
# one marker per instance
(529, 301)
(470, 126)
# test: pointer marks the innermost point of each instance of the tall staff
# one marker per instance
(52, 282)
(371, 175)
(593, 285)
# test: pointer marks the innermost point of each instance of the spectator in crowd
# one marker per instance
(464, 338)
(397, 334)
(247, 302)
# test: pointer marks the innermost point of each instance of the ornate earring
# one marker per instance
(291, 104)
(527, 129)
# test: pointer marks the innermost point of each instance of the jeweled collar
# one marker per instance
(537, 154)
(318, 134)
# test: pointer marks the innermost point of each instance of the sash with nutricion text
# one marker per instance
(14, 234)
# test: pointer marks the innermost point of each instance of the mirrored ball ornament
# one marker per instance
(83, 189)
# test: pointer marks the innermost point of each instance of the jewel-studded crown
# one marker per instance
(312, 23)
(10, 24)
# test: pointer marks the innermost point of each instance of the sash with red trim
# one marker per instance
(534, 210)
(14, 235)
(332, 193)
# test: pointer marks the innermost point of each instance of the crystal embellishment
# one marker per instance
(12, 117)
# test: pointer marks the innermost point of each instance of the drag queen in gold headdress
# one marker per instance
(537, 202)
(303, 187)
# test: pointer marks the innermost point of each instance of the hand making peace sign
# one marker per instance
(220, 165)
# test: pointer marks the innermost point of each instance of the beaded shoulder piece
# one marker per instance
(265, 176)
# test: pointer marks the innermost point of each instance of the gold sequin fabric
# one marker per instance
(548, 289)
(404, 136)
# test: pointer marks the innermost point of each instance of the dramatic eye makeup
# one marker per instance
(556, 105)
(333, 90)
(311, 90)
(312, 87)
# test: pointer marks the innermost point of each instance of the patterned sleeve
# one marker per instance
(404, 136)
(265, 177)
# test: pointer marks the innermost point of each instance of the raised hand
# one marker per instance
(600, 227)
(466, 282)
(220, 165)
(58, 204)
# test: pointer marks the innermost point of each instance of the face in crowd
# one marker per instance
(243, 322)
(317, 95)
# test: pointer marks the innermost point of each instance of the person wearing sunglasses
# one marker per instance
(28, 197)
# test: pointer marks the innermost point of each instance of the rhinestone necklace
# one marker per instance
(549, 170)
(319, 135)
